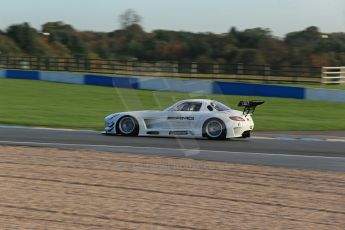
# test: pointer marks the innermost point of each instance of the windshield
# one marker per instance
(186, 106)
(219, 106)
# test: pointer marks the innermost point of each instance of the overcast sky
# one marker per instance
(281, 16)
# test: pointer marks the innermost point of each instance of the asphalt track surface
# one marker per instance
(268, 149)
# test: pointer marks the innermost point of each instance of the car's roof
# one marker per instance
(197, 100)
(204, 101)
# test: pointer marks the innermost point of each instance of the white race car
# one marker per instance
(196, 118)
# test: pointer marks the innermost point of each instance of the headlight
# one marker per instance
(109, 120)
(110, 117)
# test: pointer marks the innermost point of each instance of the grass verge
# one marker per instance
(38, 103)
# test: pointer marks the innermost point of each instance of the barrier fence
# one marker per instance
(179, 85)
(239, 71)
(333, 75)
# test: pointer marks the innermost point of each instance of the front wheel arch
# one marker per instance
(135, 130)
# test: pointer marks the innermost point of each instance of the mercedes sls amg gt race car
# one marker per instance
(198, 118)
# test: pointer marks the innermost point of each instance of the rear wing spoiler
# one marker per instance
(249, 106)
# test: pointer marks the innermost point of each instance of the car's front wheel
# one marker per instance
(127, 126)
(214, 129)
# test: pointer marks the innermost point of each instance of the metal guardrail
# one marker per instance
(333, 75)
(239, 72)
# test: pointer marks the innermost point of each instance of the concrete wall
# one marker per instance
(325, 95)
(61, 77)
(2, 73)
(177, 85)
(233, 88)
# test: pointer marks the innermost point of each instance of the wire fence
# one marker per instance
(239, 71)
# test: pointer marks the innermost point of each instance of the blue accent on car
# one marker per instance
(110, 127)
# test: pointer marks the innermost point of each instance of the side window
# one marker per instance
(180, 107)
(195, 106)
(189, 106)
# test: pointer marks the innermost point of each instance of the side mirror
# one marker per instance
(210, 108)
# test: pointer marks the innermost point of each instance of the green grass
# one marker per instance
(37, 103)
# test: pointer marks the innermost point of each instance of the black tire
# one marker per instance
(218, 132)
(127, 126)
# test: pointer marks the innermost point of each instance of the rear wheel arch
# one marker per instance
(217, 134)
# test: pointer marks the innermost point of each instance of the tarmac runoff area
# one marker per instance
(304, 150)
(50, 188)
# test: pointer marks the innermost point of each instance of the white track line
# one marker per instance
(47, 128)
(50, 144)
(281, 138)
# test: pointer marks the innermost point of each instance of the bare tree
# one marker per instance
(129, 17)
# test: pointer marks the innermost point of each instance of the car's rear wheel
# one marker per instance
(214, 129)
(127, 126)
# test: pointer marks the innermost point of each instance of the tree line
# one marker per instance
(257, 46)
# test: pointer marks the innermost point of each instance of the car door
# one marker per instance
(184, 116)
(155, 120)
